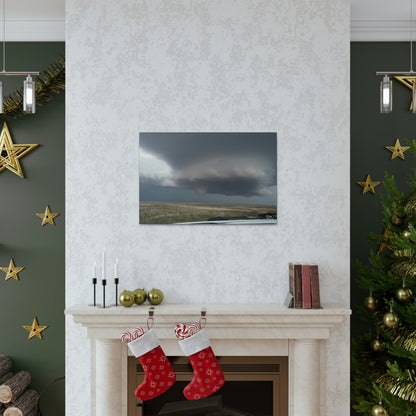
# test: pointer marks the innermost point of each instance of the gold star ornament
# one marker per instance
(397, 150)
(48, 216)
(12, 271)
(368, 185)
(10, 153)
(35, 330)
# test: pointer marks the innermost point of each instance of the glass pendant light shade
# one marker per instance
(29, 95)
(386, 95)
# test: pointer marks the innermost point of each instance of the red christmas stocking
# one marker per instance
(159, 374)
(208, 376)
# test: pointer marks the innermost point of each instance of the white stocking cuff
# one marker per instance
(144, 344)
(195, 343)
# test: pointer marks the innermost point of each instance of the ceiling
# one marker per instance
(44, 20)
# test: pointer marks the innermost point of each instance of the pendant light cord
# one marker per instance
(411, 35)
(4, 35)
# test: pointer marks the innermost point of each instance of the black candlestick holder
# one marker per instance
(94, 283)
(116, 283)
(104, 283)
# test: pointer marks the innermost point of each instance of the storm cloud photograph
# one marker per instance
(208, 178)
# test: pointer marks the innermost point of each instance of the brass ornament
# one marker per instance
(385, 236)
(155, 296)
(35, 329)
(126, 298)
(139, 296)
(397, 150)
(48, 216)
(391, 319)
(377, 345)
(396, 220)
(379, 410)
(10, 153)
(403, 294)
(370, 302)
(12, 271)
(368, 185)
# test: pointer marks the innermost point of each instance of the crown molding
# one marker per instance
(34, 31)
(381, 30)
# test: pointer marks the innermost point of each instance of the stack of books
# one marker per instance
(304, 285)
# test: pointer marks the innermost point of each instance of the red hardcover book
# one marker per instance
(315, 297)
(298, 286)
(306, 286)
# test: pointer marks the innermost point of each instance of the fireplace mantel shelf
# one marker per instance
(234, 330)
(292, 323)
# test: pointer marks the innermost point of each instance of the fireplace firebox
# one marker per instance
(254, 386)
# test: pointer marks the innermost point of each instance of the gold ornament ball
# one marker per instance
(377, 345)
(155, 296)
(379, 410)
(139, 296)
(406, 234)
(391, 319)
(396, 220)
(403, 294)
(126, 298)
(370, 302)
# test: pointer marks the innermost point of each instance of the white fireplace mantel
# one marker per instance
(257, 330)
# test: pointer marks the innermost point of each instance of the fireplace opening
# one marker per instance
(254, 386)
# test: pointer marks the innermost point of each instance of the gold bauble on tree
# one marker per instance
(126, 298)
(407, 234)
(403, 294)
(379, 410)
(391, 319)
(155, 296)
(396, 220)
(370, 302)
(139, 296)
(377, 345)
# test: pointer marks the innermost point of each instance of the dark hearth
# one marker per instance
(209, 406)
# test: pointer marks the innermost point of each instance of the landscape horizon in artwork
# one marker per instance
(208, 178)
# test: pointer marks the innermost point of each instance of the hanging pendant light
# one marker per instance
(29, 87)
(29, 95)
(386, 85)
(386, 95)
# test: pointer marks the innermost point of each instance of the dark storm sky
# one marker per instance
(208, 167)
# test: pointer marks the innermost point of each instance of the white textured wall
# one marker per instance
(217, 65)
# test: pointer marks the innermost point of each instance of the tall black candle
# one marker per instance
(116, 283)
(94, 282)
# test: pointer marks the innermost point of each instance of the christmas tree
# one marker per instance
(384, 359)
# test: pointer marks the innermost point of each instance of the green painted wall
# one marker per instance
(370, 132)
(41, 250)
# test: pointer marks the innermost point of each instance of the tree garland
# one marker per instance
(48, 83)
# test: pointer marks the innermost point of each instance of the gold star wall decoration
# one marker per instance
(397, 150)
(48, 216)
(35, 330)
(10, 153)
(368, 185)
(12, 271)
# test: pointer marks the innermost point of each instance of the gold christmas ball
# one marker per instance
(155, 296)
(139, 296)
(391, 319)
(377, 345)
(396, 220)
(126, 298)
(403, 294)
(379, 410)
(406, 234)
(370, 302)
